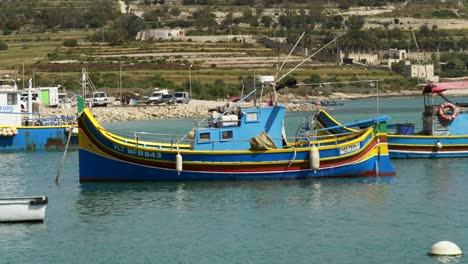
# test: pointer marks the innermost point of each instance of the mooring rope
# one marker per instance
(59, 170)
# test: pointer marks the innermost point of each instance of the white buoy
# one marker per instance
(438, 145)
(178, 162)
(314, 158)
(445, 248)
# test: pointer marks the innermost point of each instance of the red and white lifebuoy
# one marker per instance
(453, 110)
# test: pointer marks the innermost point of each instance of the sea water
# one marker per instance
(363, 220)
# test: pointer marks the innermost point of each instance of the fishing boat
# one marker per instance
(236, 141)
(444, 131)
(23, 209)
(28, 131)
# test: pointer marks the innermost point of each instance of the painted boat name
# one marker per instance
(6, 108)
(139, 153)
(349, 148)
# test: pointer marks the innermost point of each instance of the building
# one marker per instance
(423, 72)
(164, 34)
(383, 58)
(388, 57)
(360, 57)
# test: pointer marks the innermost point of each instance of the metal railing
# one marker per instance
(172, 141)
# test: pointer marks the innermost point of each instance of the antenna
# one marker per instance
(313, 54)
(281, 67)
(414, 37)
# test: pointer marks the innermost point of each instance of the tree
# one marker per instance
(399, 67)
(247, 15)
(266, 21)
(95, 23)
(175, 11)
(116, 37)
(355, 22)
(13, 24)
(132, 24)
(286, 21)
(204, 18)
(334, 22)
(424, 31)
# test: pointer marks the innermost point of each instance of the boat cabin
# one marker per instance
(441, 116)
(10, 107)
(235, 130)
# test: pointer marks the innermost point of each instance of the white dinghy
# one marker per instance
(23, 209)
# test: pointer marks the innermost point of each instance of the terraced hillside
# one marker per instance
(188, 62)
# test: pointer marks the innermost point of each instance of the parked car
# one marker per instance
(156, 96)
(182, 97)
(167, 99)
(99, 99)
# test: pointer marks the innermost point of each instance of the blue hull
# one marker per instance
(105, 156)
(116, 170)
(38, 138)
(426, 146)
(408, 146)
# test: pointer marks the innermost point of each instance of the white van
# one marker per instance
(156, 96)
(182, 97)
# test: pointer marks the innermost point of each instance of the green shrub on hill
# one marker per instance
(70, 43)
(444, 14)
(3, 45)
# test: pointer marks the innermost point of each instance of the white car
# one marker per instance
(99, 99)
(156, 96)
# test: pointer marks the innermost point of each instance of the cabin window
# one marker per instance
(252, 117)
(205, 136)
(227, 134)
(12, 99)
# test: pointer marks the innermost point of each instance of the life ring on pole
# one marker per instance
(452, 113)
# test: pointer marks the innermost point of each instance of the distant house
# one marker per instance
(388, 57)
(360, 57)
(423, 72)
(383, 58)
(164, 34)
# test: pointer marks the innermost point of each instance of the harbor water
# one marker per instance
(364, 220)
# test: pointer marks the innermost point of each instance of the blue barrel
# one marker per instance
(133, 102)
(405, 129)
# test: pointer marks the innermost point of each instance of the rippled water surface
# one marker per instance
(383, 220)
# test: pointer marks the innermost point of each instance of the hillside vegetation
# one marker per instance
(55, 39)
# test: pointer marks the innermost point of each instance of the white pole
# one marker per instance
(30, 101)
(83, 82)
(120, 83)
(190, 79)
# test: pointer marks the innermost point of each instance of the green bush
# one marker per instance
(3, 45)
(70, 43)
(444, 14)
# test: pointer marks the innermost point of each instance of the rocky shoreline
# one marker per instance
(198, 108)
(195, 109)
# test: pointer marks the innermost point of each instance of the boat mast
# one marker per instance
(30, 100)
(83, 82)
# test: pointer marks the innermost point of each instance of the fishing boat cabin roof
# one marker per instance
(234, 129)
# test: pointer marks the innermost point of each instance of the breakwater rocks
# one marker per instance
(195, 109)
